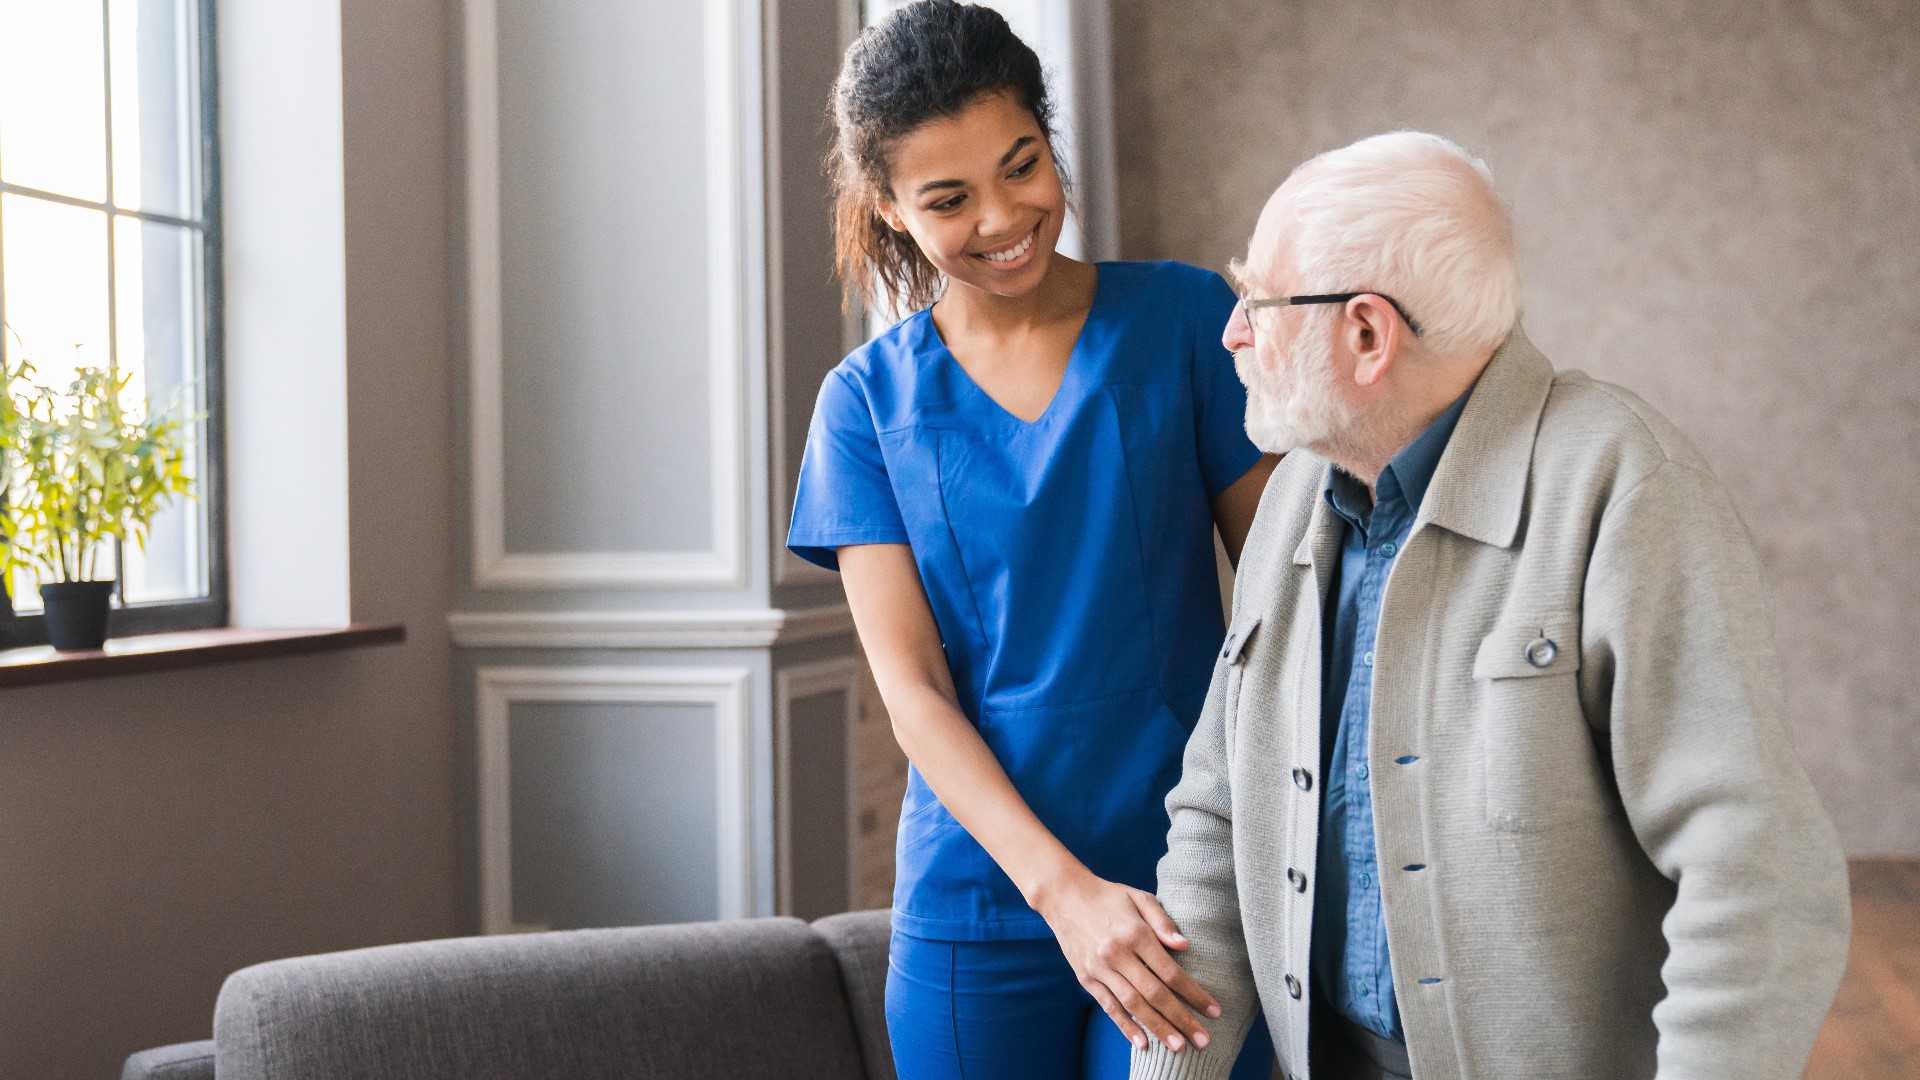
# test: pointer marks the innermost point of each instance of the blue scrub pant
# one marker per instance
(1009, 1010)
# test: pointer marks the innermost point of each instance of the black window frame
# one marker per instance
(212, 610)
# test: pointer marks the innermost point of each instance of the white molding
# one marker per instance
(728, 262)
(725, 689)
(753, 628)
(790, 684)
(788, 568)
(816, 624)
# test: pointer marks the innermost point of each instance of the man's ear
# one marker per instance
(1372, 334)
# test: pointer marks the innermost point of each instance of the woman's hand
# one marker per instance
(1117, 939)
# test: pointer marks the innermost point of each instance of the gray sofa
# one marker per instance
(761, 999)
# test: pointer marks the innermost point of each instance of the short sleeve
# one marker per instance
(1219, 399)
(843, 496)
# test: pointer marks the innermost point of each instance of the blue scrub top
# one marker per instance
(1069, 564)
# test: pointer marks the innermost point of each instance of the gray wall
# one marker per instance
(158, 832)
(1719, 207)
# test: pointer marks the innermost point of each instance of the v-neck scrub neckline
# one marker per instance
(1068, 561)
(936, 342)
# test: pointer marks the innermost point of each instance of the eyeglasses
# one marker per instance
(1251, 305)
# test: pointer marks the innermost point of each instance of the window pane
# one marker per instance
(153, 107)
(156, 273)
(53, 273)
(53, 127)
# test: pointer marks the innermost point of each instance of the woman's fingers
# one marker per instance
(1158, 1008)
(1176, 979)
(1164, 966)
(1117, 1014)
(1157, 917)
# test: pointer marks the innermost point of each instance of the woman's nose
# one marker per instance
(998, 217)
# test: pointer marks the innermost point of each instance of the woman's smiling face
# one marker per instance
(980, 194)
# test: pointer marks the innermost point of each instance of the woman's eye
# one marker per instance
(1023, 169)
(945, 205)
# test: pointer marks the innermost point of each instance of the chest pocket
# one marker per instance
(1542, 766)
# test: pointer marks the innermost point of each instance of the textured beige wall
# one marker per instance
(1719, 207)
(158, 832)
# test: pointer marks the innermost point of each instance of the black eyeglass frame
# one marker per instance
(1253, 305)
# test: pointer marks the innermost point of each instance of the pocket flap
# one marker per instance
(1521, 648)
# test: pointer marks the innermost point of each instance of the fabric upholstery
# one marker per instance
(757, 1000)
(859, 943)
(181, 1061)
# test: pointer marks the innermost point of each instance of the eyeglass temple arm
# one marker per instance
(1335, 298)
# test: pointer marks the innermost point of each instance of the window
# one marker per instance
(109, 254)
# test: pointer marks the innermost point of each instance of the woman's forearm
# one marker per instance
(975, 789)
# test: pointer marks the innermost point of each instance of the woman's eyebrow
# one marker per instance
(1019, 144)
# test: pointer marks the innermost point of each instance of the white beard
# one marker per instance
(1311, 416)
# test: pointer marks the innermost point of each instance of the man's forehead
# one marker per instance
(1268, 249)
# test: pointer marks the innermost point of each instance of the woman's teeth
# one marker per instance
(1011, 253)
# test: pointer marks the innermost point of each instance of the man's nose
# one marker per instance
(1239, 332)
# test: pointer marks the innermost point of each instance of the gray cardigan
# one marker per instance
(1599, 857)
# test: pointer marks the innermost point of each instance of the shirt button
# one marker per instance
(1363, 772)
(1368, 658)
(1293, 987)
(1297, 879)
(1366, 991)
(1388, 549)
(1366, 881)
(1302, 779)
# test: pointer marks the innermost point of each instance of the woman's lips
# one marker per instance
(1013, 257)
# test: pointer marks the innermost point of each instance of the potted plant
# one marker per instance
(80, 471)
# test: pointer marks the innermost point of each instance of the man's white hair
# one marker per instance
(1415, 217)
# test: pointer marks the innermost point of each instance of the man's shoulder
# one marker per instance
(1596, 428)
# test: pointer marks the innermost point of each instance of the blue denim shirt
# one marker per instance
(1350, 963)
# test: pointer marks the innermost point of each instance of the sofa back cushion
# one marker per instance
(758, 1000)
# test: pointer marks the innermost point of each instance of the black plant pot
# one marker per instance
(76, 613)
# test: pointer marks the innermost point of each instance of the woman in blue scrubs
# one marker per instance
(1020, 485)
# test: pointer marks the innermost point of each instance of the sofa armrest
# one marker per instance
(181, 1061)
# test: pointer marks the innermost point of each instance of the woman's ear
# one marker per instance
(890, 214)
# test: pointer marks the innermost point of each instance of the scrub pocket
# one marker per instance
(1097, 774)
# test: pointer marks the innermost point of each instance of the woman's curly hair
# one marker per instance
(928, 60)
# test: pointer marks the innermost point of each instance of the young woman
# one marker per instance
(1019, 484)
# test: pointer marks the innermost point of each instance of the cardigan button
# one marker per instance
(1293, 987)
(1541, 651)
(1297, 879)
(1302, 779)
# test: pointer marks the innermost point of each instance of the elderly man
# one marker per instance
(1492, 781)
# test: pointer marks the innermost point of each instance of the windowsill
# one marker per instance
(41, 664)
